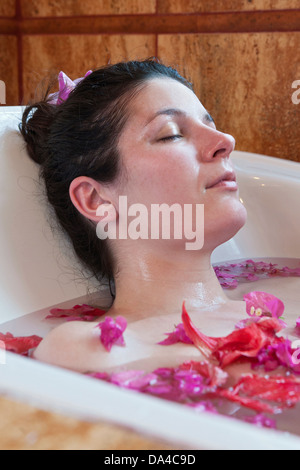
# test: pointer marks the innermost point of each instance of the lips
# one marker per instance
(227, 179)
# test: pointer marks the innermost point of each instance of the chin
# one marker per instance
(224, 226)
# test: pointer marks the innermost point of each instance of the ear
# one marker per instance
(88, 195)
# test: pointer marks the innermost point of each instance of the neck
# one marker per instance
(156, 285)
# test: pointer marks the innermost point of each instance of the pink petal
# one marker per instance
(112, 332)
(267, 303)
(261, 421)
(66, 85)
(230, 275)
(133, 379)
(177, 336)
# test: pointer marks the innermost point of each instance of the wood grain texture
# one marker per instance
(245, 81)
(216, 22)
(76, 54)
(204, 6)
(24, 427)
(9, 68)
(7, 8)
(40, 8)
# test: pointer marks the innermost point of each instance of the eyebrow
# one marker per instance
(178, 112)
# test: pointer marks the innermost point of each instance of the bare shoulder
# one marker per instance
(77, 346)
(70, 345)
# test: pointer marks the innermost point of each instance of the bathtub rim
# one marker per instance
(178, 424)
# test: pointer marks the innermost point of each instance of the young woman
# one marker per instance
(138, 130)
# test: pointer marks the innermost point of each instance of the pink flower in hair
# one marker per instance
(66, 85)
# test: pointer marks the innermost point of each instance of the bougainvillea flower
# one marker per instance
(259, 304)
(187, 383)
(66, 85)
(21, 344)
(261, 421)
(231, 274)
(133, 379)
(191, 384)
(278, 354)
(77, 313)
(112, 331)
(204, 405)
(297, 328)
(177, 336)
(215, 375)
(246, 342)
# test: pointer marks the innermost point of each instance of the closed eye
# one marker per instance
(170, 138)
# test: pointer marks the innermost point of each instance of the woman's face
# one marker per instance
(173, 153)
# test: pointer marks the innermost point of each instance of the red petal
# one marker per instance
(21, 344)
(204, 343)
(283, 390)
(78, 312)
(247, 402)
(246, 342)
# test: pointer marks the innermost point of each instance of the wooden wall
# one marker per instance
(242, 55)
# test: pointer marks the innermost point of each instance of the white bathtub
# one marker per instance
(37, 272)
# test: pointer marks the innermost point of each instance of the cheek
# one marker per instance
(162, 182)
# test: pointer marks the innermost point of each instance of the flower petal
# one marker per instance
(177, 336)
(112, 331)
(20, 344)
(204, 343)
(267, 303)
(77, 313)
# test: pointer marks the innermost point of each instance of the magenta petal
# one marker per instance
(177, 336)
(266, 303)
(297, 328)
(231, 274)
(66, 85)
(133, 379)
(112, 332)
(261, 421)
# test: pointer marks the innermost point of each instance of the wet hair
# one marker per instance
(79, 138)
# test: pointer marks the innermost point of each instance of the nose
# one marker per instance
(215, 144)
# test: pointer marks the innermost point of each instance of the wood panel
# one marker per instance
(232, 22)
(9, 67)
(75, 55)
(24, 427)
(7, 8)
(205, 6)
(255, 40)
(39, 8)
(245, 81)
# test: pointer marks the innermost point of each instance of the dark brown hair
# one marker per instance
(79, 138)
